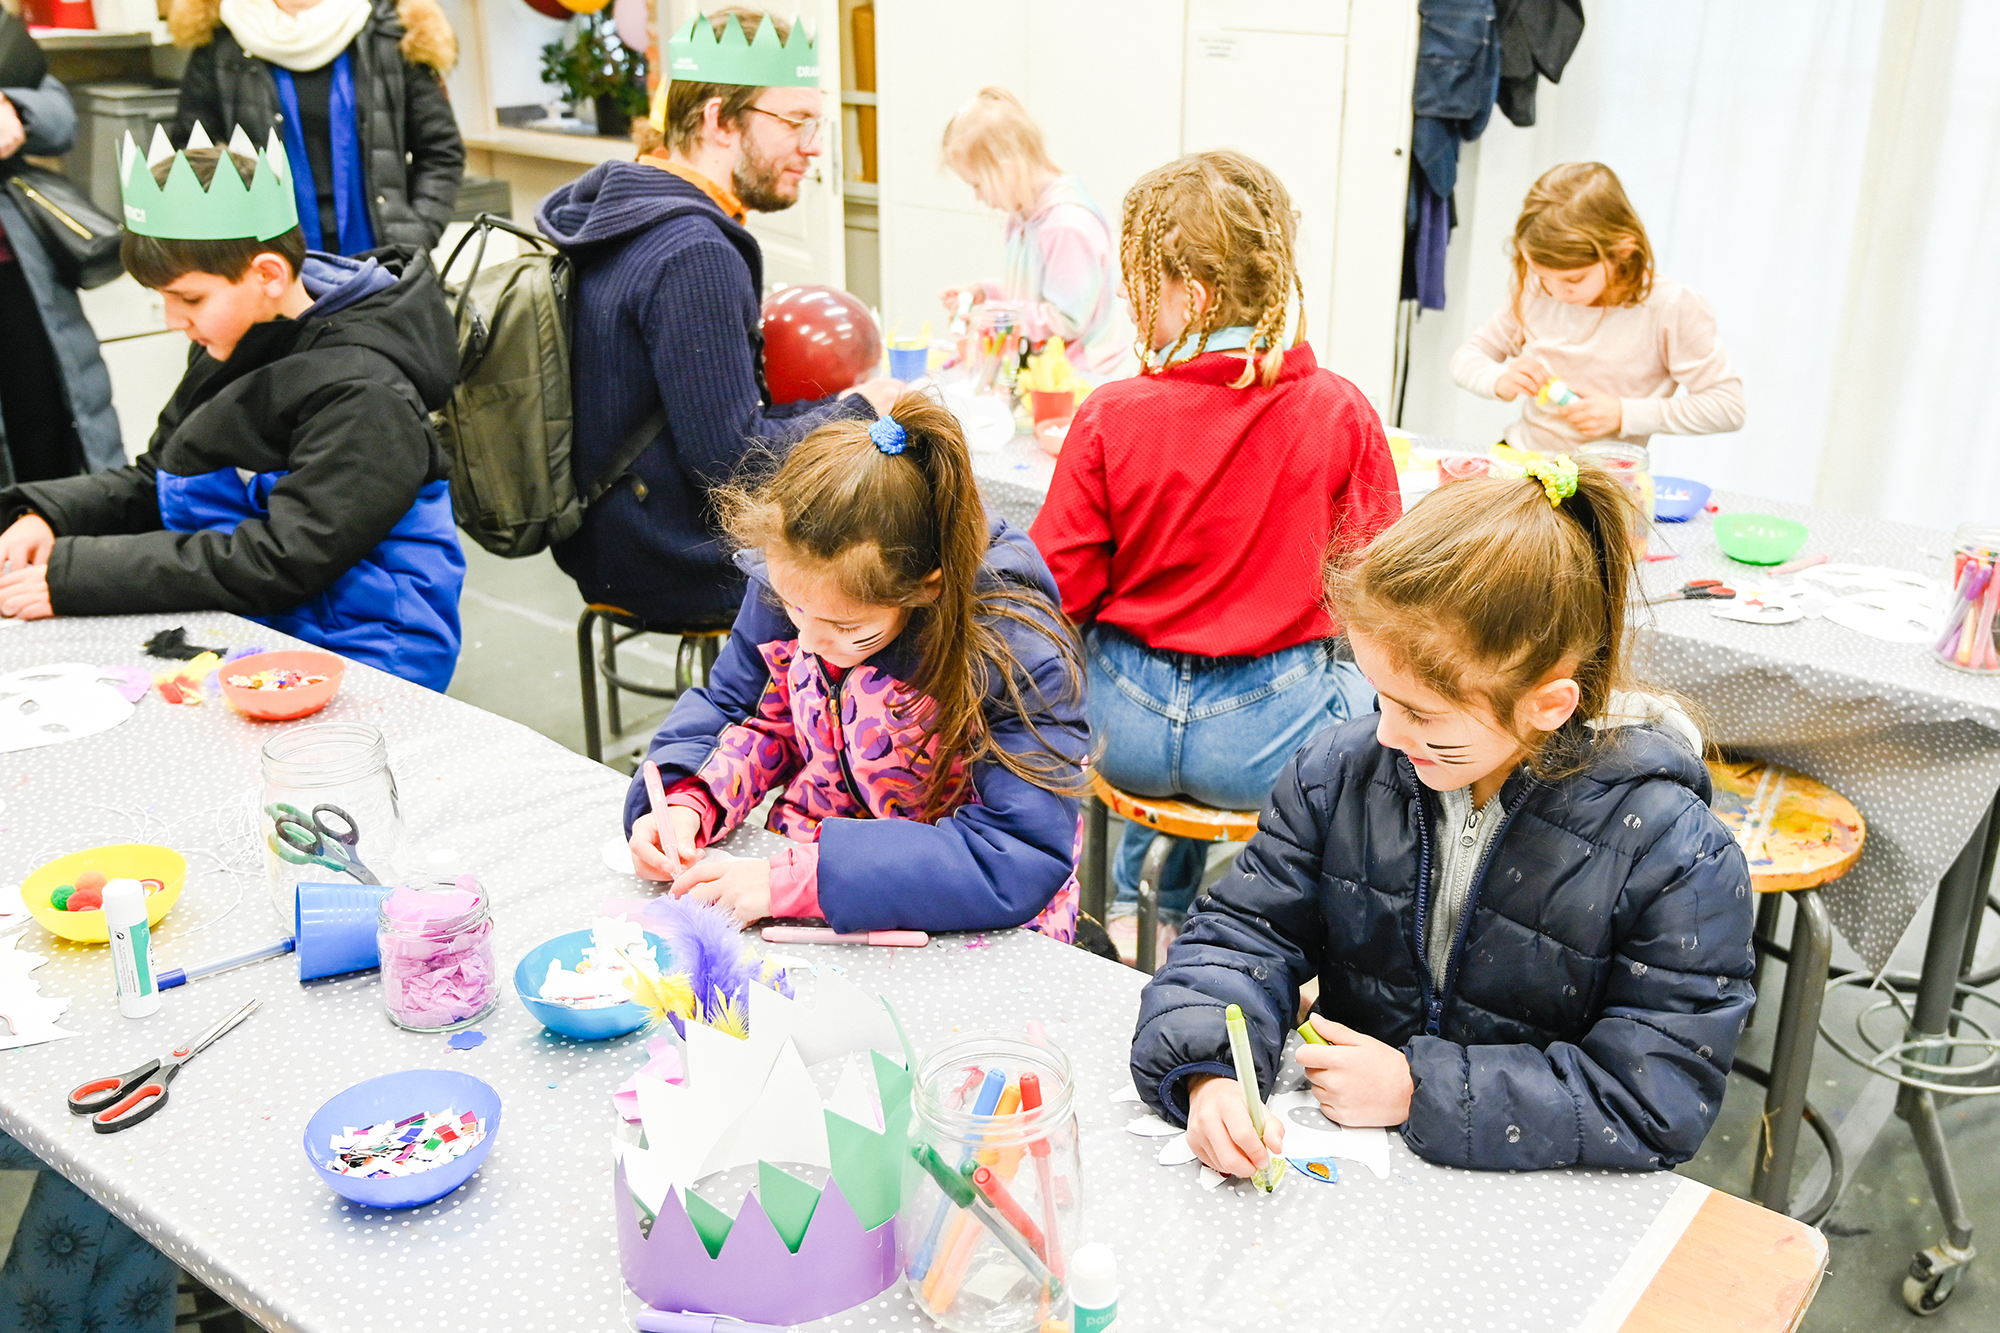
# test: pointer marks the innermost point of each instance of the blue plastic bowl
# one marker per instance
(589, 1024)
(1676, 499)
(392, 1097)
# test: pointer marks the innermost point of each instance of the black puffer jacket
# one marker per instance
(1596, 992)
(409, 139)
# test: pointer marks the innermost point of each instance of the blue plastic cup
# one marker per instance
(335, 928)
(909, 363)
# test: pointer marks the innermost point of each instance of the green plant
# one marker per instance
(594, 63)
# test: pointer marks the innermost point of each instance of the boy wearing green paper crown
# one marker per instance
(294, 477)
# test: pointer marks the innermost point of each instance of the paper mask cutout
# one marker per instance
(30, 1016)
(63, 701)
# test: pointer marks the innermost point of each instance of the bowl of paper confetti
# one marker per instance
(281, 686)
(575, 984)
(67, 894)
(405, 1139)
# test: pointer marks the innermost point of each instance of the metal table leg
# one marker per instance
(1792, 1053)
(1935, 1271)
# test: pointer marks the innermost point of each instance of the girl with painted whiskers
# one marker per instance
(1532, 937)
(901, 675)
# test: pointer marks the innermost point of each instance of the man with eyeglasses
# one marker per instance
(666, 347)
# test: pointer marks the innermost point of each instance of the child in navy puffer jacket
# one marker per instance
(901, 676)
(1532, 937)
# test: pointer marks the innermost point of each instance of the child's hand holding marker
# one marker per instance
(1524, 378)
(1595, 415)
(666, 842)
(1360, 1082)
(1219, 1129)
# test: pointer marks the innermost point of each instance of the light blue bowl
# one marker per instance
(392, 1097)
(589, 1024)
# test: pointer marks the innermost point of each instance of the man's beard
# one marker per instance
(756, 184)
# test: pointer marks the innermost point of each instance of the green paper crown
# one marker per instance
(697, 55)
(227, 210)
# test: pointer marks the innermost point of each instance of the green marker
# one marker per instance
(1267, 1177)
(1311, 1034)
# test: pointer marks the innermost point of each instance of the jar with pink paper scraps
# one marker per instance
(437, 956)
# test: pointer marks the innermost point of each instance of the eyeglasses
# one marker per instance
(808, 128)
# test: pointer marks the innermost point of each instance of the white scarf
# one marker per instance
(299, 42)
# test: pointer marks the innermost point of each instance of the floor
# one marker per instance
(520, 660)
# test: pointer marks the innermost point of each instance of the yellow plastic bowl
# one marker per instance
(125, 860)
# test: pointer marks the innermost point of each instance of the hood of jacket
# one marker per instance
(425, 34)
(618, 199)
(390, 302)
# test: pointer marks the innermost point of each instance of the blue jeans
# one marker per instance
(1215, 730)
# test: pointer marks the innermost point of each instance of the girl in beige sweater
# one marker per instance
(1588, 310)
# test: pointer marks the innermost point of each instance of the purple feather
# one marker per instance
(709, 947)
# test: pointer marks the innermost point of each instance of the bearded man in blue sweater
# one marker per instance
(666, 310)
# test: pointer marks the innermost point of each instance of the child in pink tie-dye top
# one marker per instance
(901, 677)
(1060, 267)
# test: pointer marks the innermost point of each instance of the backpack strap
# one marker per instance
(635, 443)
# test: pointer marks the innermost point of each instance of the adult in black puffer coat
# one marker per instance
(1595, 995)
(412, 156)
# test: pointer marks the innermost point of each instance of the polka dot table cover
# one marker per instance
(218, 1180)
(1914, 744)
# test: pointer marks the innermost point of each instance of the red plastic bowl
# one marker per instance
(283, 705)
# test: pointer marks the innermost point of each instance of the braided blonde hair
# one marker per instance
(1223, 220)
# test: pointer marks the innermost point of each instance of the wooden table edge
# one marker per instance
(1736, 1266)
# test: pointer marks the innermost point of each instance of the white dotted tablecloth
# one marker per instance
(1914, 744)
(218, 1179)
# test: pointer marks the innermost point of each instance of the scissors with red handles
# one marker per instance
(119, 1101)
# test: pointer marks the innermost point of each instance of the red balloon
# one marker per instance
(817, 341)
(549, 9)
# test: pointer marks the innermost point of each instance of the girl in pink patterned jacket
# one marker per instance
(901, 675)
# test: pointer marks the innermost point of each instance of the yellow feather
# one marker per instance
(668, 993)
(729, 1018)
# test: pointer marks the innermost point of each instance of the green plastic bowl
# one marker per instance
(1759, 539)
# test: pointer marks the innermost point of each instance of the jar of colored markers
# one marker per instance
(436, 942)
(1968, 643)
(328, 812)
(987, 1233)
(1631, 467)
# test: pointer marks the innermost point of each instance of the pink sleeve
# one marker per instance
(690, 793)
(755, 755)
(1075, 268)
(795, 882)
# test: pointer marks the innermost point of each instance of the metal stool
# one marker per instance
(1798, 835)
(700, 645)
(1180, 819)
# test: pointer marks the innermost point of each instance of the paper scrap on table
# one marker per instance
(1150, 1126)
(617, 856)
(1125, 1092)
(1309, 1134)
(13, 912)
(29, 1016)
(63, 701)
(617, 950)
(405, 1147)
(664, 1065)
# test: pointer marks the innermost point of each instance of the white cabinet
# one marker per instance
(1315, 89)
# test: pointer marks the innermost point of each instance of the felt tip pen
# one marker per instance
(668, 1321)
(1031, 1101)
(1268, 1175)
(657, 794)
(1311, 1034)
(962, 1192)
(1002, 1198)
(989, 1097)
(894, 939)
(181, 976)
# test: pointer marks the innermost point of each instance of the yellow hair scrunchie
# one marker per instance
(1557, 475)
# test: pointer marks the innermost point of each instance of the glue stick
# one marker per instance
(131, 948)
(1093, 1288)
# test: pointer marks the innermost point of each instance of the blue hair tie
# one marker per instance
(889, 435)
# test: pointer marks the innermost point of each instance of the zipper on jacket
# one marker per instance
(1433, 1007)
(834, 689)
(1435, 1012)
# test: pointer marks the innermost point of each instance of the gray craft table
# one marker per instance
(219, 1182)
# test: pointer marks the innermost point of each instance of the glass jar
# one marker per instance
(1968, 641)
(436, 942)
(987, 1233)
(328, 811)
(993, 356)
(1631, 466)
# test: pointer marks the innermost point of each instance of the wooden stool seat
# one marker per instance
(1181, 819)
(1797, 833)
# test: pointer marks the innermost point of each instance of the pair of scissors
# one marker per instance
(119, 1101)
(309, 839)
(1698, 590)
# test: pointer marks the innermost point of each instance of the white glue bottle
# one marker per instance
(131, 948)
(1093, 1288)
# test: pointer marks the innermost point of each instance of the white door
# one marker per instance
(807, 243)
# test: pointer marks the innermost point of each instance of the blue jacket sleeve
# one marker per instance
(1250, 942)
(735, 684)
(709, 384)
(48, 117)
(991, 864)
(1643, 1086)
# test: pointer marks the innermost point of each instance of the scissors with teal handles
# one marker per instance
(119, 1101)
(308, 839)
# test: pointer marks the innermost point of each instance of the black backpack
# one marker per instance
(509, 426)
